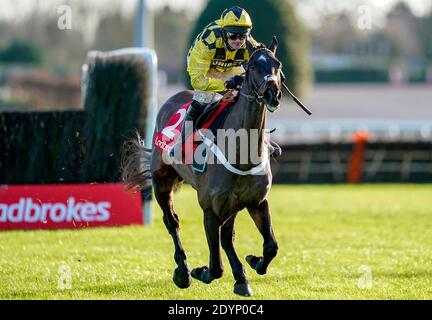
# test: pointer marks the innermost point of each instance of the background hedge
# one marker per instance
(77, 147)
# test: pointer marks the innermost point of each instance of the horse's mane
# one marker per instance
(259, 48)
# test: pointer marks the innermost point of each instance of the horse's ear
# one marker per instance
(273, 46)
(250, 48)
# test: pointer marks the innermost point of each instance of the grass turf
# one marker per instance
(328, 236)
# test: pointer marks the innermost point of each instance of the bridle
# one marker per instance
(253, 94)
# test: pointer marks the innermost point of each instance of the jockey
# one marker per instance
(214, 61)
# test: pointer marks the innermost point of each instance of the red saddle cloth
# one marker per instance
(167, 137)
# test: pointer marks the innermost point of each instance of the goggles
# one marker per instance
(237, 36)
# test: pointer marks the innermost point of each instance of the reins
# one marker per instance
(255, 96)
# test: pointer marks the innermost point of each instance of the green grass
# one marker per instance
(325, 235)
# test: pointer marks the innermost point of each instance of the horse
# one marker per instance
(221, 193)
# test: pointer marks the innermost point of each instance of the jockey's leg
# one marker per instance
(199, 100)
(275, 149)
(195, 110)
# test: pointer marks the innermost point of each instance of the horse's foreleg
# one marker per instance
(212, 226)
(241, 286)
(181, 275)
(262, 218)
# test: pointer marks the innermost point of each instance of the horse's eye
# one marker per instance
(252, 68)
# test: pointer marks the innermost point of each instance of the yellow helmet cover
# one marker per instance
(235, 19)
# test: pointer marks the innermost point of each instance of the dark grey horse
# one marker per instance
(221, 193)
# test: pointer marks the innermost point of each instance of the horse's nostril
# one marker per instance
(268, 95)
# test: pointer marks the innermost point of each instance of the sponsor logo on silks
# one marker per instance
(229, 64)
(161, 144)
(30, 211)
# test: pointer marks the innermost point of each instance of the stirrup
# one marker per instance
(274, 150)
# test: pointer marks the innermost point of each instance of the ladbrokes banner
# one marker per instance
(68, 206)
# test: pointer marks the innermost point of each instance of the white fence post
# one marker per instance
(149, 59)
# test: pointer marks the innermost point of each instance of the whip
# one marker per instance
(300, 104)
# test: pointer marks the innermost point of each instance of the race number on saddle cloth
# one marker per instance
(212, 119)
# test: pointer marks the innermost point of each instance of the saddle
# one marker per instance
(212, 118)
(206, 121)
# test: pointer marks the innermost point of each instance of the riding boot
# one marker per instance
(274, 149)
(195, 110)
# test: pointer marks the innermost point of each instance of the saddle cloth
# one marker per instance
(213, 117)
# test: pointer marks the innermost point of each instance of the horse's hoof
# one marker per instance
(196, 272)
(182, 278)
(252, 261)
(256, 263)
(243, 289)
(202, 274)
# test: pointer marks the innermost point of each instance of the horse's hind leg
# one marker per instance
(163, 188)
(241, 286)
(262, 218)
(212, 226)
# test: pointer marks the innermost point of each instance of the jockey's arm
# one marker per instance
(199, 62)
(238, 70)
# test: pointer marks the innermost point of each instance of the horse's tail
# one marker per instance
(135, 163)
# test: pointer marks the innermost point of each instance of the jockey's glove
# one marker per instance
(235, 82)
